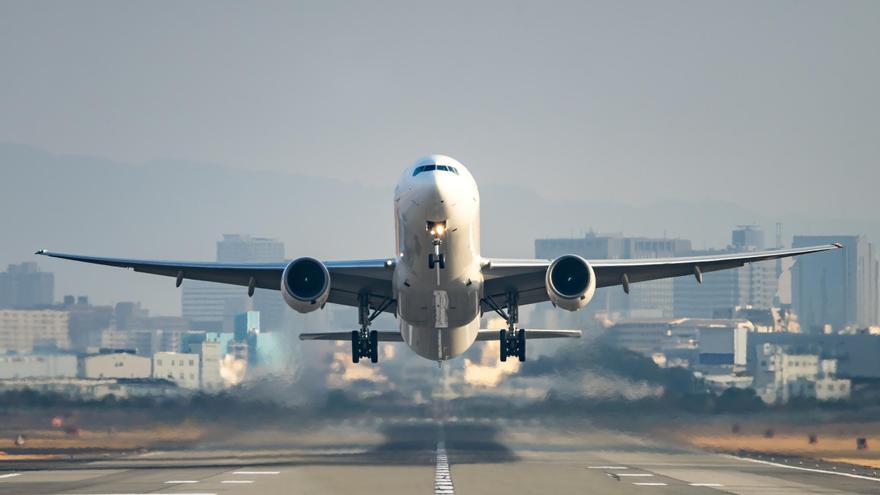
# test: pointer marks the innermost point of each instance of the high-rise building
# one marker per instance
(755, 284)
(24, 286)
(212, 307)
(651, 299)
(838, 287)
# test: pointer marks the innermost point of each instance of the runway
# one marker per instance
(413, 457)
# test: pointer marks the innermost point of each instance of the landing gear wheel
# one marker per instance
(355, 346)
(374, 347)
(521, 347)
(440, 261)
(503, 346)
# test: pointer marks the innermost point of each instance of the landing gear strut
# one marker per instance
(365, 342)
(513, 339)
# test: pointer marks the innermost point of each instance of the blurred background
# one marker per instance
(232, 132)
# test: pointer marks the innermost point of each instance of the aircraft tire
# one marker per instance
(355, 346)
(503, 341)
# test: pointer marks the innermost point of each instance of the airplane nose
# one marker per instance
(439, 192)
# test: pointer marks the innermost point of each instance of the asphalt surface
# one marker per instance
(424, 457)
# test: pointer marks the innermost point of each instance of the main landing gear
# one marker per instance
(513, 339)
(365, 342)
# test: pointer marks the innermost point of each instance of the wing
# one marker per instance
(527, 276)
(347, 278)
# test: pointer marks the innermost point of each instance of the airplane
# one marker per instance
(438, 284)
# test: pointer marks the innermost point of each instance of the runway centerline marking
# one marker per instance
(707, 484)
(247, 473)
(176, 482)
(237, 481)
(607, 467)
(10, 475)
(655, 483)
(638, 475)
(799, 468)
(442, 476)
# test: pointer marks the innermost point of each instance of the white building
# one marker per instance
(209, 372)
(116, 365)
(21, 330)
(181, 368)
(780, 376)
(38, 366)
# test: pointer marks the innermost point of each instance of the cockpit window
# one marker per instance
(428, 168)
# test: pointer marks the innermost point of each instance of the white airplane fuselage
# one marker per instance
(439, 308)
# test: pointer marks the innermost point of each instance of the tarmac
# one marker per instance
(413, 457)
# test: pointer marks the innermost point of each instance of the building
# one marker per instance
(646, 299)
(209, 371)
(855, 354)
(116, 365)
(212, 307)
(723, 344)
(755, 284)
(87, 322)
(143, 342)
(180, 368)
(685, 341)
(24, 286)
(837, 288)
(781, 376)
(38, 366)
(24, 330)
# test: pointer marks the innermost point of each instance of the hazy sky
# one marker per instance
(769, 107)
(631, 101)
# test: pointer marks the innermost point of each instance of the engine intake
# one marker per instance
(570, 282)
(305, 284)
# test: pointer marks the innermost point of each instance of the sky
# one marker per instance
(768, 106)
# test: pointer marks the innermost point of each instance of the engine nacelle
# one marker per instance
(305, 284)
(570, 282)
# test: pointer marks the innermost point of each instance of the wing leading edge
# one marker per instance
(527, 276)
(347, 278)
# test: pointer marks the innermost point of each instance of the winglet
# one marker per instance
(41, 251)
(837, 245)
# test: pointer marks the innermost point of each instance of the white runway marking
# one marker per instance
(848, 475)
(10, 475)
(639, 475)
(650, 484)
(707, 484)
(256, 472)
(237, 481)
(442, 477)
(175, 482)
(607, 467)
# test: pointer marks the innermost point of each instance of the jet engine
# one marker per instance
(305, 284)
(570, 282)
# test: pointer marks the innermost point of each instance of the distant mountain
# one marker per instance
(173, 209)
